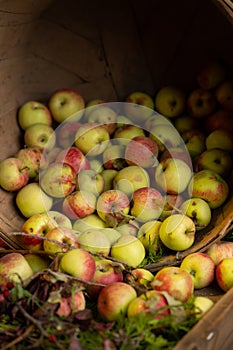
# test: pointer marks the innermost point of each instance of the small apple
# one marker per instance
(147, 204)
(60, 235)
(74, 157)
(220, 250)
(186, 122)
(201, 103)
(108, 176)
(92, 138)
(66, 131)
(126, 227)
(33, 159)
(220, 138)
(14, 267)
(173, 175)
(139, 277)
(74, 302)
(114, 299)
(178, 153)
(112, 234)
(139, 106)
(64, 103)
(220, 119)
(128, 249)
(88, 222)
(126, 132)
(177, 232)
(89, 180)
(215, 159)
(37, 224)
(224, 94)
(78, 263)
(142, 151)
(210, 186)
(170, 101)
(13, 174)
(113, 157)
(31, 199)
(58, 180)
(151, 302)
(175, 281)
(131, 178)
(198, 210)
(103, 115)
(201, 267)
(40, 135)
(166, 136)
(112, 206)
(33, 112)
(194, 141)
(148, 234)
(91, 105)
(60, 218)
(202, 304)
(94, 241)
(224, 274)
(211, 74)
(79, 204)
(37, 262)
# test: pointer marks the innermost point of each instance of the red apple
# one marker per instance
(79, 204)
(139, 277)
(74, 157)
(220, 250)
(211, 74)
(201, 103)
(13, 174)
(142, 151)
(220, 119)
(72, 303)
(224, 274)
(60, 235)
(33, 159)
(224, 94)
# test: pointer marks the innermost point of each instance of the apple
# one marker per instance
(148, 234)
(65, 133)
(103, 115)
(89, 180)
(202, 304)
(112, 206)
(198, 210)
(95, 241)
(74, 157)
(78, 263)
(37, 262)
(33, 159)
(156, 119)
(186, 122)
(72, 303)
(177, 232)
(194, 141)
(40, 135)
(15, 268)
(220, 138)
(172, 203)
(224, 274)
(201, 267)
(39, 225)
(166, 136)
(114, 299)
(138, 106)
(224, 94)
(139, 278)
(220, 250)
(178, 153)
(31, 199)
(173, 175)
(13, 174)
(220, 119)
(215, 159)
(201, 103)
(58, 180)
(91, 105)
(126, 132)
(96, 164)
(123, 120)
(177, 282)
(92, 138)
(211, 74)
(112, 234)
(142, 151)
(128, 249)
(131, 178)
(113, 157)
(108, 176)
(60, 235)
(106, 272)
(33, 112)
(210, 186)
(126, 227)
(170, 101)
(79, 204)
(60, 218)
(151, 302)
(88, 222)
(147, 204)
(64, 103)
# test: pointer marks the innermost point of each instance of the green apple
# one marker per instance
(14, 267)
(108, 176)
(185, 122)
(103, 115)
(148, 234)
(112, 234)
(60, 218)
(128, 249)
(220, 138)
(166, 136)
(91, 181)
(123, 120)
(31, 199)
(139, 277)
(202, 304)
(64, 103)
(89, 222)
(198, 210)
(95, 241)
(13, 174)
(96, 165)
(224, 274)
(91, 105)
(37, 262)
(126, 132)
(33, 112)
(201, 267)
(40, 135)
(194, 141)
(128, 227)
(139, 106)
(177, 232)
(170, 101)
(210, 186)
(220, 250)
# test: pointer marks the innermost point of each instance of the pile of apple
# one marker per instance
(101, 184)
